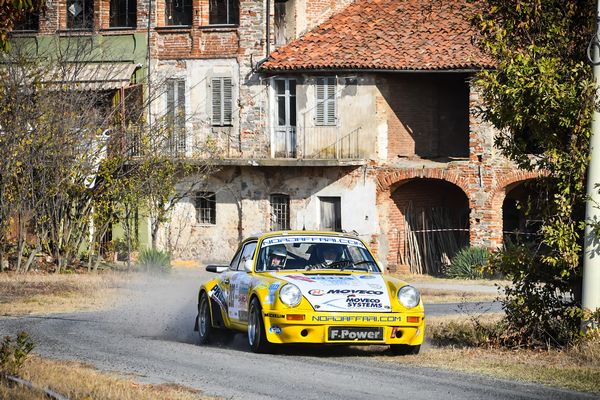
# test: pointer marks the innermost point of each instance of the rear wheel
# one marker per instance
(404, 349)
(205, 328)
(256, 329)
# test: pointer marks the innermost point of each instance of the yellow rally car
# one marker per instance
(309, 287)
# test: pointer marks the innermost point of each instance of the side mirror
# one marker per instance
(217, 268)
(248, 265)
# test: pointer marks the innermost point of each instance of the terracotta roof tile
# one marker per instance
(388, 35)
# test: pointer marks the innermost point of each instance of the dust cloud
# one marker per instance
(160, 306)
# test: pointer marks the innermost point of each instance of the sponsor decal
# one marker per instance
(272, 315)
(357, 302)
(311, 239)
(316, 292)
(270, 299)
(374, 286)
(217, 295)
(356, 318)
(355, 291)
(355, 334)
(275, 329)
(300, 278)
(367, 277)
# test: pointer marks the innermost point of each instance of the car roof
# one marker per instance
(296, 232)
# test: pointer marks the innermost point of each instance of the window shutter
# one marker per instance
(216, 102)
(227, 101)
(320, 89)
(330, 116)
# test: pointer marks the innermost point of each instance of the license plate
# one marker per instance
(352, 334)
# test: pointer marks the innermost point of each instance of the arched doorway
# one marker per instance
(432, 223)
(520, 219)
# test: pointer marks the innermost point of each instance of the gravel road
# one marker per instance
(150, 336)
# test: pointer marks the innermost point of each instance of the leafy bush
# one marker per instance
(469, 263)
(13, 354)
(153, 260)
(541, 308)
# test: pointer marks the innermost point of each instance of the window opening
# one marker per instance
(206, 208)
(123, 13)
(280, 212)
(224, 12)
(178, 12)
(80, 14)
(285, 129)
(326, 102)
(176, 116)
(222, 103)
(331, 215)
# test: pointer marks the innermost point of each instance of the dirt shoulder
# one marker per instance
(79, 381)
(49, 293)
(575, 368)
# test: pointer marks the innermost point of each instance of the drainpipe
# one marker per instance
(148, 67)
(591, 258)
(267, 39)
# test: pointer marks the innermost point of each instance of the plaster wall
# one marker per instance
(243, 207)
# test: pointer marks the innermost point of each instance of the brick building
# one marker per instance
(330, 114)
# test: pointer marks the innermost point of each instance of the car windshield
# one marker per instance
(306, 252)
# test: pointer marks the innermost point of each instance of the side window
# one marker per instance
(235, 261)
(247, 253)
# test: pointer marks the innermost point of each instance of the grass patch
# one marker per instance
(464, 345)
(416, 278)
(433, 296)
(77, 381)
(44, 293)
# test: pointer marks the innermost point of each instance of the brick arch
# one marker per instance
(387, 181)
(510, 179)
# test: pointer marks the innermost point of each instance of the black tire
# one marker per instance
(404, 349)
(205, 328)
(257, 338)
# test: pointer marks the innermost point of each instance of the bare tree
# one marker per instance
(79, 155)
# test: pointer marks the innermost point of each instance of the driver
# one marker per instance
(277, 257)
(329, 253)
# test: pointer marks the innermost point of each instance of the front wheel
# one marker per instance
(404, 349)
(256, 329)
(205, 328)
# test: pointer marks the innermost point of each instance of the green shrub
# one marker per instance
(153, 260)
(469, 263)
(13, 354)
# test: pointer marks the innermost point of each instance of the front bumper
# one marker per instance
(287, 327)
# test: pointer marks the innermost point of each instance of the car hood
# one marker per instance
(343, 292)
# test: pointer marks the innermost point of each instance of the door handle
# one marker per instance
(226, 281)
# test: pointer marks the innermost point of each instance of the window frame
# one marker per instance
(337, 206)
(176, 115)
(87, 23)
(223, 83)
(326, 99)
(187, 19)
(127, 14)
(231, 18)
(208, 208)
(275, 211)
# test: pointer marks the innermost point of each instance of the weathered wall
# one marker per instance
(243, 209)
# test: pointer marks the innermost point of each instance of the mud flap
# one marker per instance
(196, 328)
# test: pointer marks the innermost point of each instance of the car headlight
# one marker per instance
(408, 296)
(290, 295)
